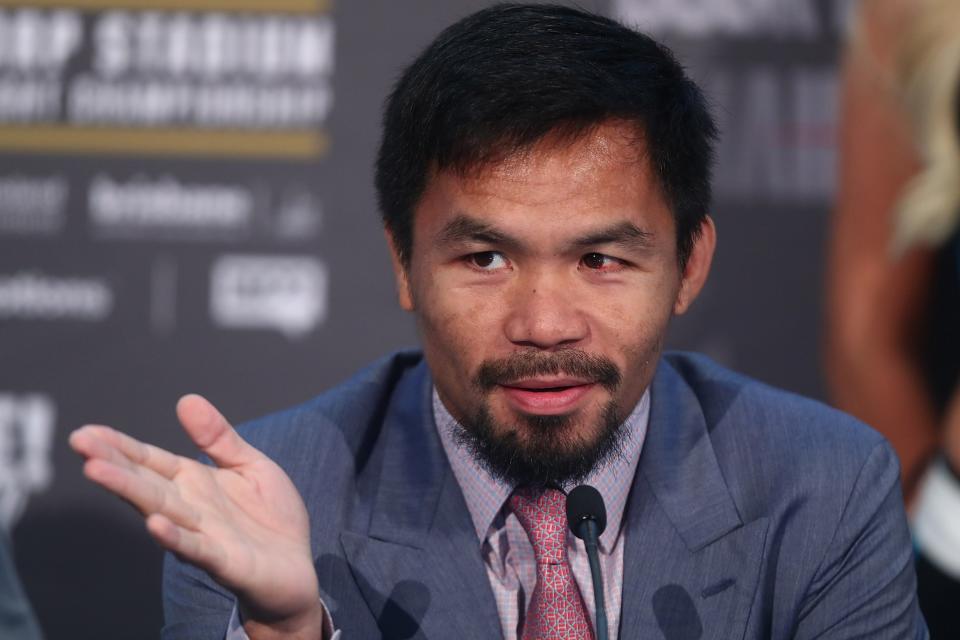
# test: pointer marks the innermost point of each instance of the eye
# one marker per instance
(487, 260)
(600, 262)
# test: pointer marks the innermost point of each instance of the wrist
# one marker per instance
(305, 625)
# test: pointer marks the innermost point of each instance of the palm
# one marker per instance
(257, 525)
(242, 521)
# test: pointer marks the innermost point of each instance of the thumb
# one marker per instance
(210, 431)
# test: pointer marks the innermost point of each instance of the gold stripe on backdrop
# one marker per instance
(63, 139)
(253, 6)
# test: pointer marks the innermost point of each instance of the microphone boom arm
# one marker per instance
(587, 518)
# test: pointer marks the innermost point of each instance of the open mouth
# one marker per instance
(546, 397)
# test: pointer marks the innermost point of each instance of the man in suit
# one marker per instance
(544, 182)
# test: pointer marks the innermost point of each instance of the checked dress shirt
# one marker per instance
(506, 549)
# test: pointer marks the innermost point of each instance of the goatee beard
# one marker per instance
(544, 450)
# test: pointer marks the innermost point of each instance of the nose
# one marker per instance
(545, 313)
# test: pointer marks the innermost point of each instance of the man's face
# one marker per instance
(543, 286)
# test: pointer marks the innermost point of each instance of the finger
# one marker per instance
(147, 492)
(190, 546)
(97, 441)
(163, 462)
(210, 431)
(90, 442)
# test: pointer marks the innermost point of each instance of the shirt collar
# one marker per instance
(485, 494)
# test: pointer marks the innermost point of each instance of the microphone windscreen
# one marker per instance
(585, 503)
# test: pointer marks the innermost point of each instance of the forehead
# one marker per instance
(599, 176)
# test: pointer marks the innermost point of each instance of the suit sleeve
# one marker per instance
(194, 606)
(197, 608)
(865, 587)
(235, 630)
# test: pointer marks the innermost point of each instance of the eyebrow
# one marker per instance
(623, 234)
(464, 228)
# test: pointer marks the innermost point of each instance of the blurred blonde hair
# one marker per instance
(927, 77)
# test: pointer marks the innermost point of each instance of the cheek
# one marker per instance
(635, 317)
(458, 325)
(634, 327)
(457, 332)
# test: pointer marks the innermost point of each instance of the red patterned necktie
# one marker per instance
(556, 610)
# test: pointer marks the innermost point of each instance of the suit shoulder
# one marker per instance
(735, 402)
(771, 443)
(782, 455)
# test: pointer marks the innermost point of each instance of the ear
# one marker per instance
(697, 268)
(400, 274)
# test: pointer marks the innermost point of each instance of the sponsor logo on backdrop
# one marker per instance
(283, 293)
(776, 105)
(299, 215)
(779, 133)
(152, 67)
(26, 437)
(144, 207)
(164, 207)
(32, 204)
(738, 18)
(30, 295)
(254, 79)
(213, 69)
(35, 47)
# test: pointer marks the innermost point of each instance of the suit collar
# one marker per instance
(419, 553)
(679, 463)
(689, 563)
(414, 468)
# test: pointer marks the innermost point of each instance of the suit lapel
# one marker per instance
(419, 566)
(690, 564)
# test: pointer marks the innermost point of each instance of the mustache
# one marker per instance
(530, 364)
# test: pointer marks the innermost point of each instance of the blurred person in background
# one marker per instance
(893, 356)
(16, 616)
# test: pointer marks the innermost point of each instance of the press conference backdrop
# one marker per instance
(186, 205)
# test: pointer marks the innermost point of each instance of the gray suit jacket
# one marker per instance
(754, 514)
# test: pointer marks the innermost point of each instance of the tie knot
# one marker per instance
(543, 515)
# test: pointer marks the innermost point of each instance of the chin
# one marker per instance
(544, 450)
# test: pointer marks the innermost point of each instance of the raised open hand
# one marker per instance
(242, 521)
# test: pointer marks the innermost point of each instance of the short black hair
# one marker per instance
(502, 79)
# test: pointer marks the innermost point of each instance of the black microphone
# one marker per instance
(587, 518)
